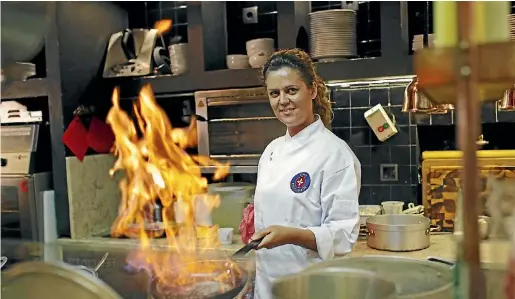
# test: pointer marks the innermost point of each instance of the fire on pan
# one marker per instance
(212, 285)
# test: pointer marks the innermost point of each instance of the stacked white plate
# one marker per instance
(333, 34)
(511, 20)
(418, 41)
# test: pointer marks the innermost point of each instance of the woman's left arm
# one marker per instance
(340, 216)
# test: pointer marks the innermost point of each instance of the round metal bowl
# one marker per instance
(413, 279)
(341, 283)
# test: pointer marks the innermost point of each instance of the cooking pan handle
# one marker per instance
(250, 246)
(441, 261)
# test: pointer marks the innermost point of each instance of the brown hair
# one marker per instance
(301, 62)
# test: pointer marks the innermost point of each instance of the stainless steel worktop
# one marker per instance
(88, 252)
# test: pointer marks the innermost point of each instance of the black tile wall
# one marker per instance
(349, 124)
(153, 11)
(403, 149)
(238, 33)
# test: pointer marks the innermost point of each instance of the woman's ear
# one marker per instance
(314, 92)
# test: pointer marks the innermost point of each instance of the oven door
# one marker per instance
(17, 207)
(240, 130)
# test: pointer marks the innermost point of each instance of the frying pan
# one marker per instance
(207, 281)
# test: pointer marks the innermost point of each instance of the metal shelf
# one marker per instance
(233, 169)
(25, 89)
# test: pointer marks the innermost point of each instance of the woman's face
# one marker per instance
(290, 98)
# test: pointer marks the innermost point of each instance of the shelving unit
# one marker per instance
(72, 59)
(207, 39)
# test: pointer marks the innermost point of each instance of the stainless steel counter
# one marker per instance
(88, 252)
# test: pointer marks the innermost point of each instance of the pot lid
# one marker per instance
(45, 280)
(398, 222)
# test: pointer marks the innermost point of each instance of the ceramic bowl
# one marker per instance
(259, 60)
(256, 46)
(237, 61)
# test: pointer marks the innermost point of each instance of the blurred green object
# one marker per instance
(24, 26)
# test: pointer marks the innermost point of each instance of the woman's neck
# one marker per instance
(295, 130)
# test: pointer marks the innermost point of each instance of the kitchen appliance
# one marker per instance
(25, 173)
(235, 126)
(135, 52)
(341, 283)
(380, 122)
(398, 232)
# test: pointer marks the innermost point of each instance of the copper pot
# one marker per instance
(507, 103)
(416, 102)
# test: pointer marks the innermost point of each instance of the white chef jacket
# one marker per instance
(311, 181)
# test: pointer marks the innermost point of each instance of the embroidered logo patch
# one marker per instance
(300, 182)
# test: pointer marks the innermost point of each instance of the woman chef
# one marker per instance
(306, 200)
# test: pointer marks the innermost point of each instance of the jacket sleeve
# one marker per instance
(340, 213)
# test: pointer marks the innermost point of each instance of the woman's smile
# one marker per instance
(287, 111)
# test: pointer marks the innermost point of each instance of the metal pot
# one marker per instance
(51, 280)
(413, 279)
(341, 283)
(398, 232)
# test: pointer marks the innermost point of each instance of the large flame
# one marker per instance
(156, 165)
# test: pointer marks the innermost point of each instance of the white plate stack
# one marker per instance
(333, 34)
(511, 19)
(418, 41)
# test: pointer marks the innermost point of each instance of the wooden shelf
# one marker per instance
(211, 80)
(25, 89)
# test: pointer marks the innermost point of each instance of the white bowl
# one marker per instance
(392, 207)
(235, 62)
(259, 45)
(259, 60)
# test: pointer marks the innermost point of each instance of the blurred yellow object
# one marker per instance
(459, 154)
